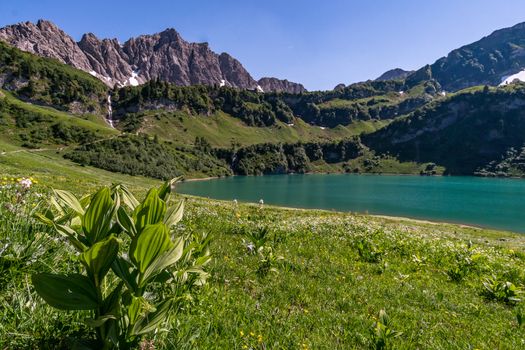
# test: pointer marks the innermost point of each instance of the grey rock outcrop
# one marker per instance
(396, 73)
(278, 85)
(165, 56)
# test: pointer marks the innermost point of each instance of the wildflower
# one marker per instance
(252, 334)
(260, 338)
(241, 333)
(245, 346)
(25, 183)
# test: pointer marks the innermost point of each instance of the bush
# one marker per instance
(133, 273)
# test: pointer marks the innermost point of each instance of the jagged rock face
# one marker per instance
(108, 61)
(278, 85)
(168, 57)
(165, 56)
(396, 73)
(47, 40)
(234, 72)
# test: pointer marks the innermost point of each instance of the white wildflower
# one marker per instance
(25, 183)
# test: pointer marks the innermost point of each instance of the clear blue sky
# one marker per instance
(318, 43)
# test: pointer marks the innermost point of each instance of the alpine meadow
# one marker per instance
(106, 241)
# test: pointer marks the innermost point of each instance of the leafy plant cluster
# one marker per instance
(260, 241)
(133, 272)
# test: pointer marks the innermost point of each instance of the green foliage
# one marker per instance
(268, 262)
(251, 107)
(141, 155)
(462, 264)
(36, 127)
(363, 101)
(270, 158)
(324, 295)
(471, 132)
(368, 251)
(125, 251)
(383, 334)
(49, 82)
(503, 291)
(257, 238)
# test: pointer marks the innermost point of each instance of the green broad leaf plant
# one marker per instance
(135, 270)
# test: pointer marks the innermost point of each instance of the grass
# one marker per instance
(40, 119)
(55, 171)
(221, 129)
(338, 270)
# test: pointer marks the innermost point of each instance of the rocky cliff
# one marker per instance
(278, 85)
(165, 56)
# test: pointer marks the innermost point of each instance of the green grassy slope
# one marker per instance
(223, 130)
(38, 126)
(47, 81)
(337, 271)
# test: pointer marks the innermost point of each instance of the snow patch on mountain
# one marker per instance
(133, 79)
(510, 78)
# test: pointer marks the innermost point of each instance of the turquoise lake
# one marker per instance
(485, 202)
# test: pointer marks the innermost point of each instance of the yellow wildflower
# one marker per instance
(252, 334)
(241, 333)
(260, 338)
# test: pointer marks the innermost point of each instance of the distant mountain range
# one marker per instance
(396, 73)
(165, 56)
(463, 114)
(495, 59)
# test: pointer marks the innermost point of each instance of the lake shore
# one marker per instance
(463, 201)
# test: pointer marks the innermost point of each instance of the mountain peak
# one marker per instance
(278, 85)
(396, 73)
(45, 24)
(164, 55)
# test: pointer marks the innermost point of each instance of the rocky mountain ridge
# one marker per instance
(396, 73)
(165, 56)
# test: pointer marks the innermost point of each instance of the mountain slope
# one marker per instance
(486, 61)
(278, 85)
(396, 73)
(466, 132)
(48, 82)
(165, 56)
